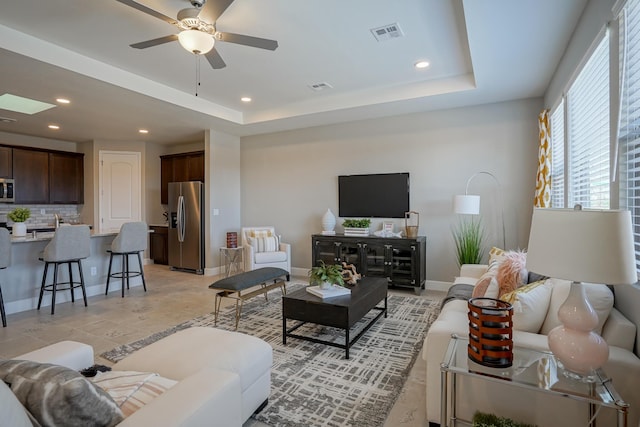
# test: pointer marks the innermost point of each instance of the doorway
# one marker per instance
(120, 189)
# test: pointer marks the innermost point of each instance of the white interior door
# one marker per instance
(120, 189)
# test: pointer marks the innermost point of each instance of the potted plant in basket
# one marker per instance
(356, 227)
(325, 276)
(19, 216)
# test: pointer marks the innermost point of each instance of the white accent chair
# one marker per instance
(254, 258)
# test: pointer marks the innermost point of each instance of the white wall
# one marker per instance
(222, 193)
(289, 179)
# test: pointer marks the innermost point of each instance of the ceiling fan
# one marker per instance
(198, 32)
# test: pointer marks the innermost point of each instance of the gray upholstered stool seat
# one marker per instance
(69, 245)
(131, 240)
(5, 261)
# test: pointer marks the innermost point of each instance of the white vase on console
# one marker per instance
(19, 229)
(328, 223)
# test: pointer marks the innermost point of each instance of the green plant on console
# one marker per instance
(469, 238)
(331, 273)
(19, 214)
(357, 223)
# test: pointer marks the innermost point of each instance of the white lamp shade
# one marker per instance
(468, 204)
(195, 41)
(594, 246)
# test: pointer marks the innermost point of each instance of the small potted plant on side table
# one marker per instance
(19, 216)
(325, 276)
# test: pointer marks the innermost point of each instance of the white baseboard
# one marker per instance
(436, 285)
(27, 304)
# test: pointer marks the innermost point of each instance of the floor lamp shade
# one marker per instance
(594, 246)
(468, 204)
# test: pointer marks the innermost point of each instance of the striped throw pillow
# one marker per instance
(265, 244)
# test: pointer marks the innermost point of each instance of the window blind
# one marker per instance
(629, 130)
(557, 156)
(587, 104)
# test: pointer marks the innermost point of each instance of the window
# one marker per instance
(557, 156)
(588, 145)
(629, 129)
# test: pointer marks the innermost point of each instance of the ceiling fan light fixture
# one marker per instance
(196, 41)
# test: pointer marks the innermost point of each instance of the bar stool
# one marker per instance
(69, 245)
(131, 240)
(5, 261)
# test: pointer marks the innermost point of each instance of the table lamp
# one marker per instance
(594, 246)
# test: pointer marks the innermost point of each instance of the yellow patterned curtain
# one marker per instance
(543, 177)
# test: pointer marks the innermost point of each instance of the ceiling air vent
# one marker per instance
(387, 32)
(320, 86)
(7, 120)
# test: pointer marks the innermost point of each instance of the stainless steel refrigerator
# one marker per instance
(186, 226)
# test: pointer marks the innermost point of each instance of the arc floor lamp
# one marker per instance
(469, 204)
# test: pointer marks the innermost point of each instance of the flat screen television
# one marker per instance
(384, 195)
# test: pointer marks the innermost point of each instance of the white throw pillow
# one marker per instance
(600, 297)
(530, 305)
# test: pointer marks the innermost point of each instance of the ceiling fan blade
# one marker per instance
(212, 10)
(148, 11)
(155, 42)
(215, 59)
(248, 40)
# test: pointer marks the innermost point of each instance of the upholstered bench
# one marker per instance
(233, 286)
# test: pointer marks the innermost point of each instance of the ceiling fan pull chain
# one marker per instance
(197, 73)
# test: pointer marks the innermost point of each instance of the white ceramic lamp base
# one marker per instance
(579, 349)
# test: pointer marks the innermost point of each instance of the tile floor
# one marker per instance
(172, 297)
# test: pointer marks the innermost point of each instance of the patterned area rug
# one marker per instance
(313, 384)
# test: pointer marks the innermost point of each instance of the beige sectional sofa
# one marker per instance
(623, 366)
(219, 378)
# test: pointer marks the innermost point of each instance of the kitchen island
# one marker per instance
(21, 281)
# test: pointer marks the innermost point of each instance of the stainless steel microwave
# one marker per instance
(7, 188)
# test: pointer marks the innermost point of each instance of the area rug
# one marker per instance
(313, 384)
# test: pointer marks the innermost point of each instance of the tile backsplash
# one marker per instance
(42, 215)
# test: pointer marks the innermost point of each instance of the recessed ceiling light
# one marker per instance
(143, 131)
(62, 101)
(245, 99)
(56, 127)
(421, 64)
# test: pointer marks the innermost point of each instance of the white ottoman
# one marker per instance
(186, 352)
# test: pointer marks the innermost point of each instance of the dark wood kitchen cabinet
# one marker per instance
(178, 168)
(159, 245)
(6, 162)
(66, 178)
(46, 177)
(31, 175)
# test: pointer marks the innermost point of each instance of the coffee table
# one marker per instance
(340, 312)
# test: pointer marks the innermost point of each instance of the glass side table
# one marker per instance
(231, 258)
(531, 369)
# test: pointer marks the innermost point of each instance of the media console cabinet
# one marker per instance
(400, 260)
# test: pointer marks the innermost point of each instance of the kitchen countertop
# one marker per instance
(48, 235)
(158, 225)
